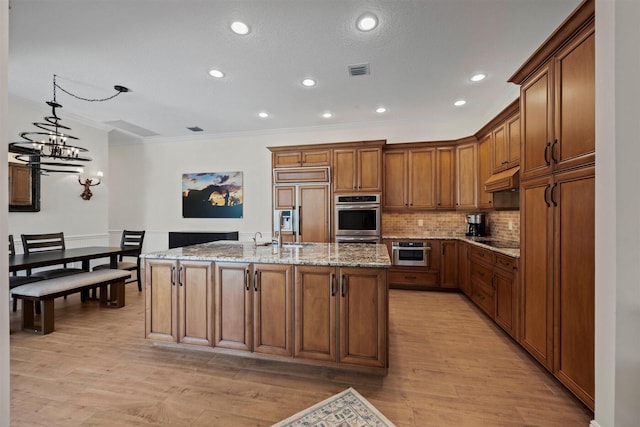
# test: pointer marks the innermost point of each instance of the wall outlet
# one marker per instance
(510, 225)
(420, 222)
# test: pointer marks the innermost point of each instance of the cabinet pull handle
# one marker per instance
(553, 151)
(300, 220)
(173, 275)
(546, 195)
(410, 277)
(246, 279)
(256, 277)
(180, 275)
(553, 193)
(333, 284)
(343, 291)
(546, 153)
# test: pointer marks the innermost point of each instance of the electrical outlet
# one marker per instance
(510, 225)
(420, 223)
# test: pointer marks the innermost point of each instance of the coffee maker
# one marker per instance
(476, 225)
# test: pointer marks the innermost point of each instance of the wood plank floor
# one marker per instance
(450, 366)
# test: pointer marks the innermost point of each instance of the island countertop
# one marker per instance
(331, 254)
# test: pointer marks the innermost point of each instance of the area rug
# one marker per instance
(345, 409)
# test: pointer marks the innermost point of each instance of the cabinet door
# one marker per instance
(449, 265)
(233, 303)
(313, 214)
(272, 311)
(445, 176)
(195, 302)
(500, 153)
(369, 169)
(463, 268)
(485, 199)
(467, 176)
(536, 112)
(19, 184)
(316, 157)
(363, 316)
(422, 178)
(395, 179)
(536, 228)
(575, 103)
(284, 197)
(574, 193)
(506, 301)
(161, 300)
(286, 159)
(513, 141)
(344, 170)
(315, 317)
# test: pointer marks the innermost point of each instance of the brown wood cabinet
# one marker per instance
(312, 203)
(179, 302)
(558, 110)
(341, 308)
(506, 144)
(357, 169)
(302, 157)
(233, 306)
(467, 176)
(449, 264)
(463, 268)
(485, 168)
(419, 177)
(19, 184)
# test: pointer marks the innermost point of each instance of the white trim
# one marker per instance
(594, 423)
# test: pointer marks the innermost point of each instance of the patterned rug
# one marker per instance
(345, 409)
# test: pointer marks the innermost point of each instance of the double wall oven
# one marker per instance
(357, 218)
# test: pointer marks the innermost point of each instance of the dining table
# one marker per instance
(84, 255)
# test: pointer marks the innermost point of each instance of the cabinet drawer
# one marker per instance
(506, 262)
(483, 255)
(482, 298)
(412, 277)
(482, 274)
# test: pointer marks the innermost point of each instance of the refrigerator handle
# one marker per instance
(299, 220)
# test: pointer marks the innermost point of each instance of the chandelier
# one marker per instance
(49, 149)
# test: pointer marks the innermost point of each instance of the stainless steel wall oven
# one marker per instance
(357, 218)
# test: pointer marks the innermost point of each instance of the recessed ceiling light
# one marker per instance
(327, 115)
(308, 82)
(239, 28)
(216, 73)
(263, 114)
(459, 102)
(381, 110)
(367, 22)
(478, 77)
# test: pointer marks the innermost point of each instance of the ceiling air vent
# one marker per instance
(195, 129)
(359, 70)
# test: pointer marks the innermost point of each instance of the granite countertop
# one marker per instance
(332, 254)
(488, 242)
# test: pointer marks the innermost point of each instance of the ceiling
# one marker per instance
(420, 57)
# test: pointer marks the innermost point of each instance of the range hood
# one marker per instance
(503, 181)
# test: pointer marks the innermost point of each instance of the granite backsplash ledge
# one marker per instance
(504, 225)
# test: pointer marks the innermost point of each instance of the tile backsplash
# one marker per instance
(503, 225)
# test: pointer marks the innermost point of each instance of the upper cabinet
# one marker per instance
(506, 144)
(420, 176)
(485, 199)
(358, 168)
(557, 105)
(467, 176)
(298, 157)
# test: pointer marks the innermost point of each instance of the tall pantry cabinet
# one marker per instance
(557, 203)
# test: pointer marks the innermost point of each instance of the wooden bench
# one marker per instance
(46, 291)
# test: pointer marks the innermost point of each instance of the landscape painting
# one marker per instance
(212, 195)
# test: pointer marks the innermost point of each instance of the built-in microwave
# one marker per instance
(415, 254)
(357, 215)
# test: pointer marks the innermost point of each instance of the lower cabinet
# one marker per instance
(179, 303)
(341, 315)
(253, 307)
(463, 268)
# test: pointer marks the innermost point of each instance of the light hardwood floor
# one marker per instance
(450, 366)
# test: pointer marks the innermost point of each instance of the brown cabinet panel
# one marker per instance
(195, 302)
(407, 278)
(485, 199)
(19, 184)
(363, 310)
(464, 268)
(234, 306)
(344, 170)
(422, 178)
(500, 153)
(513, 141)
(395, 179)
(357, 169)
(315, 317)
(314, 213)
(272, 309)
(446, 176)
(467, 176)
(506, 301)
(316, 157)
(369, 177)
(161, 302)
(297, 158)
(285, 197)
(449, 265)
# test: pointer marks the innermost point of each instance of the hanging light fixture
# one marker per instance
(51, 148)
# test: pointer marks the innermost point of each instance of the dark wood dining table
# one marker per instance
(84, 255)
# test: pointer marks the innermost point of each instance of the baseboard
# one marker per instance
(594, 423)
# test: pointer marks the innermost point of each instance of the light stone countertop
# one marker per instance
(331, 254)
(512, 252)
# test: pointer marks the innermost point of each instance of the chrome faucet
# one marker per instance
(255, 238)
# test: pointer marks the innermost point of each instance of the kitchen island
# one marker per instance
(313, 303)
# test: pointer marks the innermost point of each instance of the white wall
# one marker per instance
(84, 222)
(153, 175)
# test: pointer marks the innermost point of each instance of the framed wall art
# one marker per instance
(212, 195)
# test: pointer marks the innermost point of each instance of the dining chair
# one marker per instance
(130, 240)
(14, 279)
(35, 243)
